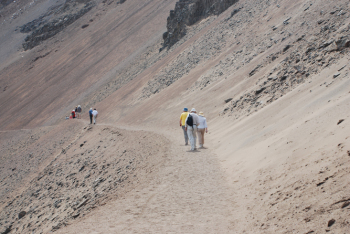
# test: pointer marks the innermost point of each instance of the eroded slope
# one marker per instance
(101, 163)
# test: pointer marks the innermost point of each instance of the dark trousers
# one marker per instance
(90, 119)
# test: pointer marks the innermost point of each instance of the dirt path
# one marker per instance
(188, 195)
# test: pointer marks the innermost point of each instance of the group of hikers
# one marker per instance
(76, 113)
(193, 125)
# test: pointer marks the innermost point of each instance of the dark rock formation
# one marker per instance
(42, 29)
(21, 214)
(7, 230)
(4, 3)
(342, 43)
(187, 13)
(331, 222)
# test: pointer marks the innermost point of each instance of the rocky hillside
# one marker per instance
(54, 21)
(294, 50)
(100, 164)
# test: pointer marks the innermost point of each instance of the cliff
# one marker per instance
(189, 12)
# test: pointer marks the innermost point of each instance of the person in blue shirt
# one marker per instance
(90, 115)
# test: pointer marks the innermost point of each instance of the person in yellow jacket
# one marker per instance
(183, 118)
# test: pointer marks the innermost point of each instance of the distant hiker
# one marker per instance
(73, 114)
(90, 115)
(201, 128)
(192, 123)
(183, 123)
(95, 114)
(78, 112)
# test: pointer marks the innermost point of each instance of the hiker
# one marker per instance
(192, 123)
(95, 114)
(201, 128)
(183, 123)
(73, 114)
(78, 112)
(90, 115)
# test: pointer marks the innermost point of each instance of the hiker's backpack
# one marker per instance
(189, 121)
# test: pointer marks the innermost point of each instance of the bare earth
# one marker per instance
(188, 194)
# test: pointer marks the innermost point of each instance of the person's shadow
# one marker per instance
(193, 151)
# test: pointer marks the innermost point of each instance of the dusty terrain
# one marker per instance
(272, 78)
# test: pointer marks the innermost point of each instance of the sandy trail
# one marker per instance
(188, 195)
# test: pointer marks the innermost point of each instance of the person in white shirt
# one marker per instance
(94, 114)
(192, 130)
(201, 128)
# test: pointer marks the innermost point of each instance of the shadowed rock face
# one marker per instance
(4, 3)
(187, 13)
(54, 21)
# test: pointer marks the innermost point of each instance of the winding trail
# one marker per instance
(188, 195)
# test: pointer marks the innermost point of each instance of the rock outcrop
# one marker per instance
(4, 3)
(187, 13)
(54, 21)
